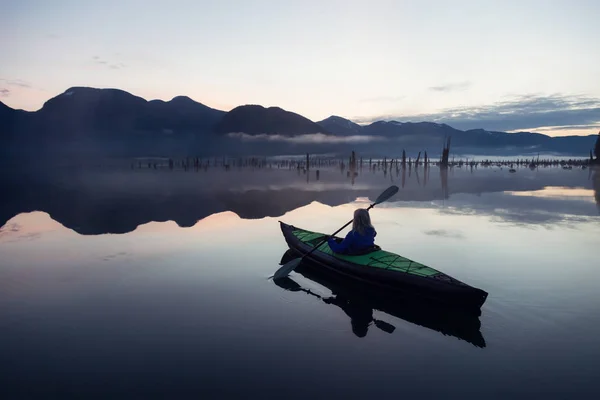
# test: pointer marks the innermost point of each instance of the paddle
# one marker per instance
(291, 265)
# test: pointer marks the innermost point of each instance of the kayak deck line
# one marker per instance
(376, 259)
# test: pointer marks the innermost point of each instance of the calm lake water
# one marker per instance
(145, 284)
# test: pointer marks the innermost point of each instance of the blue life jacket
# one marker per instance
(353, 242)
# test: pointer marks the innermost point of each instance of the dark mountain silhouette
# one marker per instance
(397, 129)
(9, 118)
(391, 129)
(180, 114)
(255, 120)
(81, 111)
(415, 134)
(430, 135)
(5, 110)
(340, 126)
(101, 122)
(88, 122)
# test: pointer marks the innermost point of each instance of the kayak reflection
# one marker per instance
(361, 314)
(359, 301)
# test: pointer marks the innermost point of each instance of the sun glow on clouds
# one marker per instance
(557, 192)
(569, 130)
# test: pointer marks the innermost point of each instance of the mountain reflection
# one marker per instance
(112, 200)
(596, 185)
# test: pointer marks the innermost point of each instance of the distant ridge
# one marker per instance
(256, 119)
(108, 120)
(341, 126)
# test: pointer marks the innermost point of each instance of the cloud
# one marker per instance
(16, 82)
(451, 87)
(111, 65)
(445, 233)
(20, 83)
(4, 92)
(313, 138)
(566, 128)
(520, 113)
(117, 66)
(98, 60)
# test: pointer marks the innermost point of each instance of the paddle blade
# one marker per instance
(389, 192)
(384, 326)
(286, 268)
(288, 283)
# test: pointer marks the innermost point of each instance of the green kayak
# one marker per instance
(384, 268)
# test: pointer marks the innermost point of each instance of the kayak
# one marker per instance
(385, 269)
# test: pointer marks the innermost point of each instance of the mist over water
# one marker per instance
(121, 281)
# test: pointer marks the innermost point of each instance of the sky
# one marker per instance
(498, 65)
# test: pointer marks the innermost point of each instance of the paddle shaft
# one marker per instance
(333, 234)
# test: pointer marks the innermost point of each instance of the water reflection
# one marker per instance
(359, 301)
(444, 180)
(97, 201)
(171, 308)
(361, 314)
(596, 185)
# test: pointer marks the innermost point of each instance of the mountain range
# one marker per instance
(112, 121)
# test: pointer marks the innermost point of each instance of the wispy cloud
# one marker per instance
(313, 138)
(451, 87)
(520, 113)
(445, 233)
(111, 65)
(570, 129)
(4, 92)
(567, 128)
(16, 82)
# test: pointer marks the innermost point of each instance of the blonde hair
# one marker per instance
(362, 221)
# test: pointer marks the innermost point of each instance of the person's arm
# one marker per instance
(340, 247)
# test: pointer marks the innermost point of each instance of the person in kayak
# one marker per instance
(360, 239)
